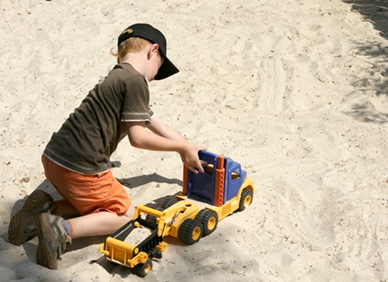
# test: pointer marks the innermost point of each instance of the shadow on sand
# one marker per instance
(375, 12)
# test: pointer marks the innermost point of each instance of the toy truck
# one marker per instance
(206, 198)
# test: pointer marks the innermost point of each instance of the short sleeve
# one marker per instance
(136, 101)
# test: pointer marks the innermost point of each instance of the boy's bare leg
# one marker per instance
(102, 223)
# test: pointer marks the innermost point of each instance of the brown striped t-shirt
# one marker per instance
(92, 132)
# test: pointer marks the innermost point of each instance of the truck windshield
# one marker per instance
(235, 175)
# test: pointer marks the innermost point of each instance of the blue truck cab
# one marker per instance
(221, 181)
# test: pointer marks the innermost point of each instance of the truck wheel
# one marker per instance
(209, 220)
(151, 218)
(246, 199)
(142, 269)
(168, 203)
(190, 231)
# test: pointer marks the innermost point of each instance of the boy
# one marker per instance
(75, 160)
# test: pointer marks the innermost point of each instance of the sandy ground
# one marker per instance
(296, 91)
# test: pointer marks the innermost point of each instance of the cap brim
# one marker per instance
(167, 69)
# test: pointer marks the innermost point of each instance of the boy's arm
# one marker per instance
(165, 139)
(159, 127)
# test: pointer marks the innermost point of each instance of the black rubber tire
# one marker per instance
(208, 219)
(168, 203)
(190, 231)
(246, 199)
(151, 218)
(142, 269)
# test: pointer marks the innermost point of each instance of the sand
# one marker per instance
(295, 91)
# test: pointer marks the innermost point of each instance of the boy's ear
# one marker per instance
(154, 47)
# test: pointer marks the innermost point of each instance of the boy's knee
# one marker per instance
(131, 212)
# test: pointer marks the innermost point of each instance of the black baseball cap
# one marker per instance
(153, 35)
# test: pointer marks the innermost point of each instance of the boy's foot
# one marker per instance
(53, 240)
(23, 225)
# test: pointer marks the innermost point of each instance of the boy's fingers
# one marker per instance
(201, 169)
(193, 169)
(197, 168)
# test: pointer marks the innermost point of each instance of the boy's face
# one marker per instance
(155, 60)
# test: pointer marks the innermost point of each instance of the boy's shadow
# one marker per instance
(141, 180)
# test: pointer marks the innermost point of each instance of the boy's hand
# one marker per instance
(190, 158)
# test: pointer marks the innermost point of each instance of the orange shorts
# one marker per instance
(88, 193)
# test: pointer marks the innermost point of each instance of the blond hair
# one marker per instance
(131, 45)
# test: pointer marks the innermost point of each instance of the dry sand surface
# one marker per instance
(296, 91)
